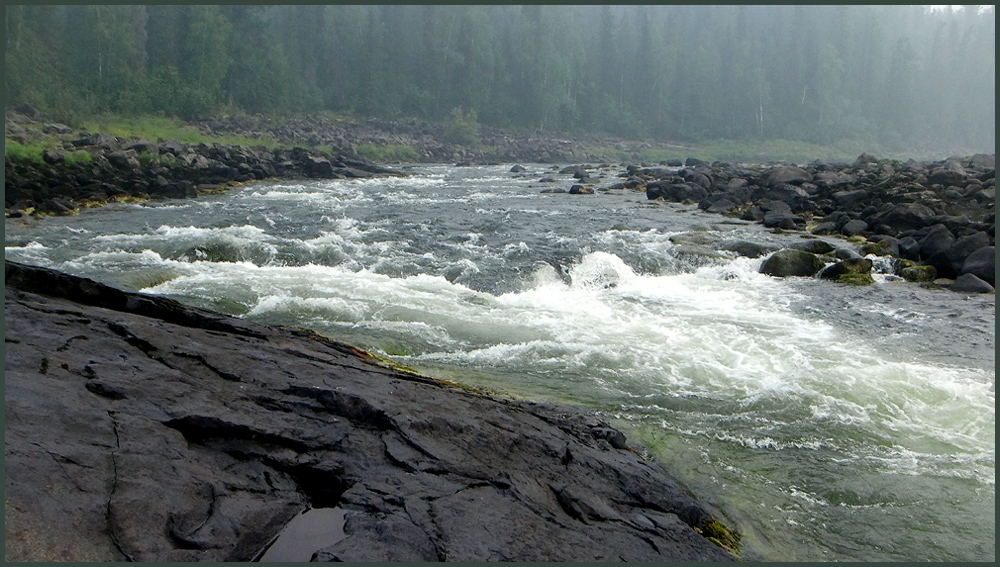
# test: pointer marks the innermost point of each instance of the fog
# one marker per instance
(902, 78)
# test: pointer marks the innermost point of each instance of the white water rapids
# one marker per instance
(825, 422)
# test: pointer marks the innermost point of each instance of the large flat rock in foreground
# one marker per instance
(140, 429)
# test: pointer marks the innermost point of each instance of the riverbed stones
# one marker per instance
(791, 262)
(852, 271)
(813, 245)
(904, 216)
(917, 273)
(982, 264)
(854, 227)
(969, 283)
(787, 174)
(142, 430)
(938, 239)
(949, 261)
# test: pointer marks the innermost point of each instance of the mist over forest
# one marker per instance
(895, 77)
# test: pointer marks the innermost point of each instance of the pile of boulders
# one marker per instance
(937, 218)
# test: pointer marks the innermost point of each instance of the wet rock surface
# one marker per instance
(140, 429)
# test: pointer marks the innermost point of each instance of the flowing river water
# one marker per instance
(825, 422)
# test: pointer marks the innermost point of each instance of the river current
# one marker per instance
(825, 422)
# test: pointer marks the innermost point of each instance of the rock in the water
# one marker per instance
(747, 249)
(982, 264)
(917, 273)
(853, 271)
(949, 261)
(969, 283)
(783, 220)
(791, 262)
(581, 190)
(814, 245)
(138, 429)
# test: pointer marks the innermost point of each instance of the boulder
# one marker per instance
(937, 240)
(969, 283)
(787, 174)
(901, 217)
(983, 161)
(864, 159)
(849, 200)
(881, 246)
(774, 206)
(787, 193)
(675, 192)
(144, 147)
(53, 157)
(982, 264)
(951, 173)
(56, 128)
(518, 169)
(909, 248)
(791, 262)
(698, 178)
(949, 261)
(747, 249)
(854, 227)
(845, 254)
(783, 220)
(815, 245)
(721, 206)
(917, 273)
(853, 271)
(581, 190)
(825, 228)
(125, 159)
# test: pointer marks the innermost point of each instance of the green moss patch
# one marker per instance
(726, 538)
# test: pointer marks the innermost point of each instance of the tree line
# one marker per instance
(895, 75)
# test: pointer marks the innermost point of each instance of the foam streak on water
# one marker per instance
(826, 422)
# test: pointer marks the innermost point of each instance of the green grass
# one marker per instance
(79, 157)
(387, 153)
(156, 128)
(25, 152)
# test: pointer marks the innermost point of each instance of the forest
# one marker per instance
(893, 76)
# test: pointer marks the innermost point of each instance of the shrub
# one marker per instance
(462, 128)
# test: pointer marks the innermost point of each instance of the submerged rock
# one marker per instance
(140, 429)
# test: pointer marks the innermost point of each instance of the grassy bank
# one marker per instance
(155, 128)
(32, 152)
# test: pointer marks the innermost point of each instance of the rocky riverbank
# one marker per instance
(140, 429)
(934, 220)
(118, 168)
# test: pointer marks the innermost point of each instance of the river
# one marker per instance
(825, 422)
